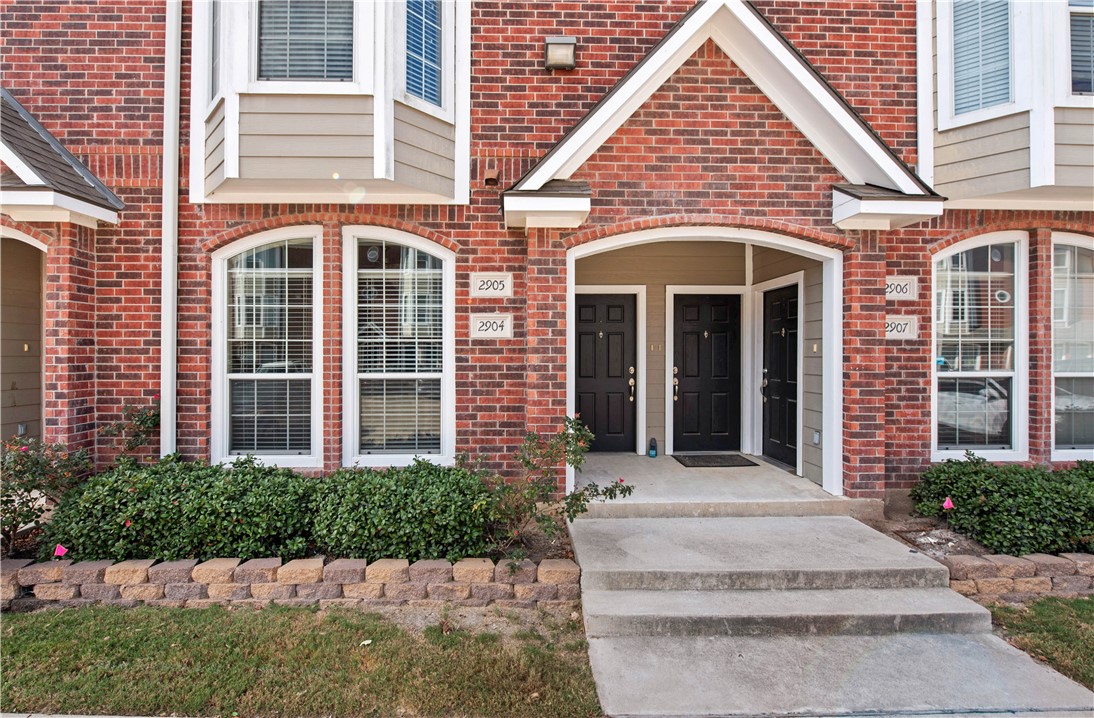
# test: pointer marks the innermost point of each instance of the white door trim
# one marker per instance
(671, 291)
(796, 279)
(639, 292)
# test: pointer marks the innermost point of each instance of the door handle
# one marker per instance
(631, 383)
(675, 388)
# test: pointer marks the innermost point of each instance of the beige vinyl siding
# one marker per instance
(305, 137)
(425, 151)
(214, 148)
(768, 264)
(1075, 146)
(984, 158)
(655, 266)
(20, 338)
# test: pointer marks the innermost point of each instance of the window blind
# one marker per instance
(305, 40)
(981, 54)
(423, 49)
(1082, 49)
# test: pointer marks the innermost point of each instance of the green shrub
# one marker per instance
(34, 476)
(175, 509)
(422, 511)
(1013, 509)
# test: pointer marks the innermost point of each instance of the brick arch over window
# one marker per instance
(25, 233)
(1023, 225)
(721, 222)
(335, 219)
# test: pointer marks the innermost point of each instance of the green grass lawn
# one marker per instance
(1059, 631)
(286, 662)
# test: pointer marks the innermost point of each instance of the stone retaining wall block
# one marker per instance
(535, 591)
(473, 570)
(558, 571)
(449, 591)
(319, 591)
(45, 572)
(9, 570)
(969, 567)
(56, 591)
(388, 570)
(404, 591)
(1084, 562)
(1012, 567)
(215, 570)
(272, 591)
(186, 591)
(101, 591)
(257, 570)
(431, 571)
(1051, 565)
(994, 585)
(345, 570)
(301, 570)
(1038, 584)
(328, 603)
(172, 571)
(492, 591)
(362, 590)
(86, 572)
(569, 592)
(508, 571)
(143, 592)
(964, 587)
(1070, 583)
(229, 591)
(129, 573)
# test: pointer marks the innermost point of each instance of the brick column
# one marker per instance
(546, 393)
(69, 343)
(864, 369)
(1040, 346)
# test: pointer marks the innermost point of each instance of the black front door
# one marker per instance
(706, 373)
(779, 385)
(607, 382)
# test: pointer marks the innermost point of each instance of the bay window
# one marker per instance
(424, 36)
(1073, 344)
(979, 348)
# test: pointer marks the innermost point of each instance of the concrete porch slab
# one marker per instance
(664, 487)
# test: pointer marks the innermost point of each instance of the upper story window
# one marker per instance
(305, 40)
(1082, 46)
(981, 54)
(424, 70)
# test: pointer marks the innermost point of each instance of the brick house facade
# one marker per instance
(704, 165)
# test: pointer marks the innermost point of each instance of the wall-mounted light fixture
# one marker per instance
(560, 53)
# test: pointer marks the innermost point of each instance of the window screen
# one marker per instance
(305, 40)
(981, 54)
(423, 49)
(974, 348)
(270, 334)
(400, 357)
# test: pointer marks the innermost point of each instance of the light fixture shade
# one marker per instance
(560, 53)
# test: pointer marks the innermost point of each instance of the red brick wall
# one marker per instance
(93, 74)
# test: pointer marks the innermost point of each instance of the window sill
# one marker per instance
(1080, 101)
(1073, 454)
(377, 461)
(305, 87)
(438, 111)
(281, 461)
(947, 121)
(939, 455)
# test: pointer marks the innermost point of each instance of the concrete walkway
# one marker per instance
(792, 616)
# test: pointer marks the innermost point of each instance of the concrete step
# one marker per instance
(706, 509)
(749, 553)
(768, 613)
(893, 675)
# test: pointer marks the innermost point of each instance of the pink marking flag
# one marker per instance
(60, 550)
(947, 504)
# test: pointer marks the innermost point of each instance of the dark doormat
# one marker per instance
(712, 461)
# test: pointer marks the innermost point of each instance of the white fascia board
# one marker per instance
(546, 212)
(881, 214)
(47, 205)
(21, 169)
(775, 70)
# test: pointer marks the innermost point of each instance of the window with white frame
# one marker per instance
(1081, 16)
(269, 349)
(305, 40)
(402, 354)
(981, 54)
(976, 348)
(424, 50)
(1073, 344)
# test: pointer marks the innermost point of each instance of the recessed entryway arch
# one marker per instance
(829, 262)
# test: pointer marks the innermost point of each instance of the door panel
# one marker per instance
(607, 362)
(707, 367)
(780, 375)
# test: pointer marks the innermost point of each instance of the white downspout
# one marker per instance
(169, 229)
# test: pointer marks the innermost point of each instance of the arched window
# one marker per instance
(266, 352)
(980, 348)
(399, 319)
(1073, 345)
